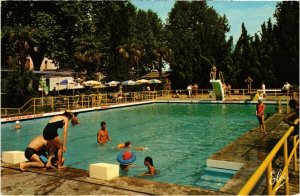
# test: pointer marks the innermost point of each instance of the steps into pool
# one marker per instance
(215, 178)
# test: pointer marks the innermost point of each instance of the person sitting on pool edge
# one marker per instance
(151, 169)
(128, 145)
(102, 136)
(75, 120)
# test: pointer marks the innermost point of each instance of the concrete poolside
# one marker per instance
(72, 181)
(250, 149)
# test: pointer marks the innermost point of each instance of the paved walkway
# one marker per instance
(72, 181)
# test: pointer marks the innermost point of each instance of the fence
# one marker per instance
(60, 103)
(52, 104)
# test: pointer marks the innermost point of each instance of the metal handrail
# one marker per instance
(95, 102)
(267, 165)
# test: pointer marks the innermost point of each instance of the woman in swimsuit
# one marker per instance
(51, 136)
(151, 169)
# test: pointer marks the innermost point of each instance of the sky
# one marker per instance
(252, 13)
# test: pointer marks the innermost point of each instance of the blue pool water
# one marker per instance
(179, 137)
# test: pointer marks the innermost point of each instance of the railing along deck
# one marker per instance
(273, 182)
(59, 103)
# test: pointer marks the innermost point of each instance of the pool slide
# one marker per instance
(218, 90)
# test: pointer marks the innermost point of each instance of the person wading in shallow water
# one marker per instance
(102, 136)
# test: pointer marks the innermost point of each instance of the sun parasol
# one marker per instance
(154, 81)
(113, 83)
(128, 83)
(92, 83)
(142, 81)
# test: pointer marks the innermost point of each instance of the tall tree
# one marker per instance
(246, 60)
(264, 45)
(286, 32)
(197, 37)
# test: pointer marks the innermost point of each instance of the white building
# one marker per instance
(48, 65)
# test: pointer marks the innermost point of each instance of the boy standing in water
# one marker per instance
(102, 136)
(260, 114)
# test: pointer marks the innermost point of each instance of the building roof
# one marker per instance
(155, 75)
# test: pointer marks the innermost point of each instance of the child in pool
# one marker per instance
(128, 145)
(126, 155)
(151, 169)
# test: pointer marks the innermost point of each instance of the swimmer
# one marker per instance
(18, 125)
(126, 156)
(151, 169)
(102, 136)
(75, 120)
(128, 145)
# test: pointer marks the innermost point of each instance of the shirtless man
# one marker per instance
(102, 135)
(35, 149)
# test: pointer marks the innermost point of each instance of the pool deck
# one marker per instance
(72, 181)
(249, 150)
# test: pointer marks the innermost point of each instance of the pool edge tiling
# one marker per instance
(42, 115)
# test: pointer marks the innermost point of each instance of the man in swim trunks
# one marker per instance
(35, 149)
(102, 136)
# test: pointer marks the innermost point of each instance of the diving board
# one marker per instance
(218, 90)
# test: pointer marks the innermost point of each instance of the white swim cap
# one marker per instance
(260, 98)
(17, 122)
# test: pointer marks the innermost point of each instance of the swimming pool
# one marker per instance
(179, 137)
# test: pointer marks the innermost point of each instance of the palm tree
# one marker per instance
(160, 54)
(131, 54)
(88, 54)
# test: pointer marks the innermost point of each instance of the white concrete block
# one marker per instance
(13, 157)
(103, 171)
